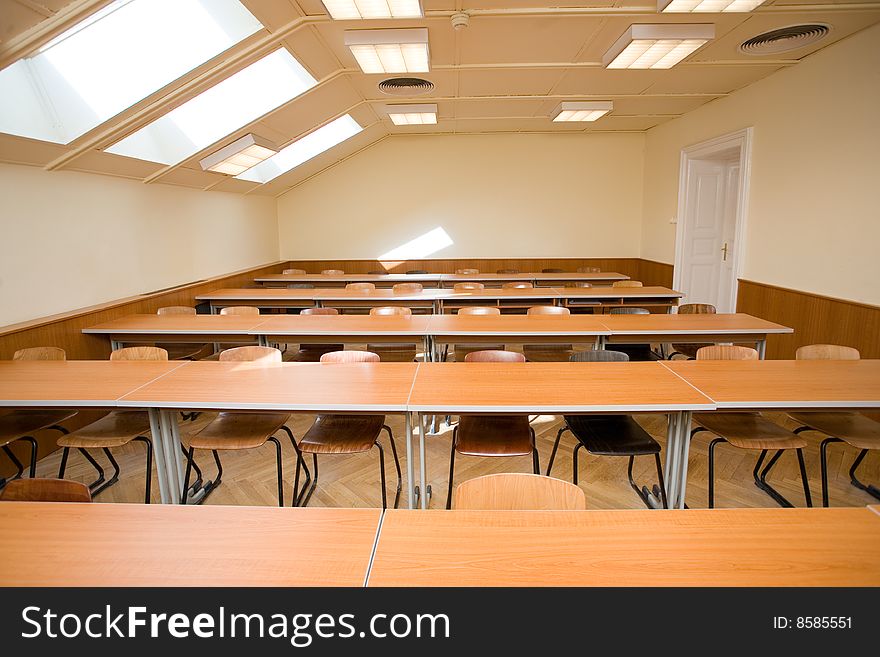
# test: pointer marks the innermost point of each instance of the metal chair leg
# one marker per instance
(314, 485)
(711, 504)
(761, 482)
(662, 484)
(823, 465)
(97, 466)
(300, 462)
(64, 454)
(536, 460)
(149, 477)
(198, 482)
(32, 469)
(396, 466)
(555, 447)
(574, 463)
(808, 498)
(382, 475)
(189, 465)
(868, 488)
(18, 464)
(451, 469)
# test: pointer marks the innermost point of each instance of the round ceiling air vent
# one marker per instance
(406, 86)
(785, 39)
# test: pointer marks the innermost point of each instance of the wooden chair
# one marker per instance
(311, 353)
(240, 310)
(848, 427)
(689, 351)
(627, 284)
(551, 270)
(517, 285)
(235, 431)
(393, 352)
(407, 288)
(582, 284)
(467, 270)
(548, 353)
(348, 434)
(466, 287)
(462, 350)
(519, 491)
(748, 430)
(23, 424)
(114, 430)
(332, 272)
(300, 286)
(178, 350)
(611, 435)
(45, 490)
(508, 271)
(288, 272)
(360, 287)
(589, 270)
(492, 435)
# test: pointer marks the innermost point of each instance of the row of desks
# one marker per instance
(442, 280)
(418, 390)
(437, 330)
(141, 545)
(440, 300)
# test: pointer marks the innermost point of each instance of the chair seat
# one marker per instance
(16, 424)
(853, 428)
(394, 353)
(342, 434)
(178, 351)
(493, 435)
(238, 430)
(462, 350)
(311, 353)
(749, 431)
(113, 430)
(612, 435)
(548, 353)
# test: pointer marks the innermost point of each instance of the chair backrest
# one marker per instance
(350, 356)
(240, 310)
(588, 270)
(464, 287)
(494, 356)
(517, 284)
(582, 284)
(332, 272)
(300, 286)
(598, 356)
(551, 270)
(467, 270)
(139, 353)
(407, 288)
(548, 310)
(827, 352)
(479, 310)
(626, 284)
(293, 271)
(391, 310)
(251, 354)
(416, 271)
(696, 309)
(627, 310)
(40, 353)
(176, 310)
(319, 311)
(45, 490)
(360, 287)
(518, 491)
(726, 352)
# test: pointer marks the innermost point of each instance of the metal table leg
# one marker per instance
(684, 433)
(672, 452)
(159, 456)
(423, 459)
(762, 347)
(410, 471)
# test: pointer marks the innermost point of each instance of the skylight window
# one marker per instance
(113, 59)
(224, 108)
(303, 150)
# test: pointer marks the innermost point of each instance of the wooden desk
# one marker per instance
(51, 544)
(324, 329)
(340, 280)
(500, 297)
(232, 329)
(375, 388)
(705, 547)
(259, 297)
(557, 388)
(551, 279)
(341, 298)
(690, 329)
(648, 296)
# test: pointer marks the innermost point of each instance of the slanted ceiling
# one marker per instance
(506, 72)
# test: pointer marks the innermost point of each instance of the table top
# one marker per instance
(675, 324)
(75, 383)
(551, 388)
(348, 278)
(700, 547)
(784, 383)
(258, 294)
(380, 294)
(516, 325)
(646, 292)
(533, 276)
(312, 387)
(65, 544)
(365, 325)
(178, 324)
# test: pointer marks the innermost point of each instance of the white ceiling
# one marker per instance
(504, 73)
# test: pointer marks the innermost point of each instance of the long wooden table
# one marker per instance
(440, 280)
(705, 547)
(233, 329)
(64, 544)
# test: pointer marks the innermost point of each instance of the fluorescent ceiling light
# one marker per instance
(581, 111)
(113, 59)
(656, 46)
(706, 6)
(226, 107)
(390, 51)
(240, 155)
(355, 9)
(412, 114)
(303, 150)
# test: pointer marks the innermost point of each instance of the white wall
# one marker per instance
(813, 216)
(498, 195)
(72, 239)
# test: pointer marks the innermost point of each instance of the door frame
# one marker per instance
(705, 150)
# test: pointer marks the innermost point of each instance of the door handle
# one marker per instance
(724, 251)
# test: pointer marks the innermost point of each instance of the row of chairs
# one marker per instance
(464, 271)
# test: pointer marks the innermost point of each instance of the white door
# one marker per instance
(725, 302)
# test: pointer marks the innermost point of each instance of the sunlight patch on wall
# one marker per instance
(420, 247)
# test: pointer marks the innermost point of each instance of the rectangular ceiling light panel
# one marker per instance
(657, 46)
(412, 114)
(356, 9)
(581, 111)
(240, 155)
(390, 51)
(707, 6)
